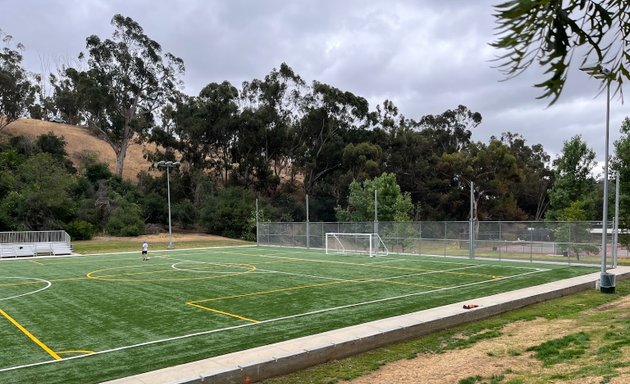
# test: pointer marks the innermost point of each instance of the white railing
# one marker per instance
(34, 243)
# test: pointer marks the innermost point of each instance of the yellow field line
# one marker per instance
(389, 281)
(385, 280)
(115, 277)
(296, 259)
(30, 335)
(272, 291)
(82, 351)
(375, 266)
(36, 262)
(224, 313)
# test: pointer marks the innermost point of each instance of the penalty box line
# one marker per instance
(235, 327)
(374, 265)
(223, 313)
(387, 280)
(30, 336)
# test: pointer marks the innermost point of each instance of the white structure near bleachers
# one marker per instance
(34, 243)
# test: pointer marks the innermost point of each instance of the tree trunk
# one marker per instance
(121, 154)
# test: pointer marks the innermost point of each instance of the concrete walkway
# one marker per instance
(288, 356)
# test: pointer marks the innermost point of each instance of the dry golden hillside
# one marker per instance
(80, 142)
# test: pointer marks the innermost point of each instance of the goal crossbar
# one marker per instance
(355, 243)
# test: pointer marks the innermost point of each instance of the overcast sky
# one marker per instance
(426, 56)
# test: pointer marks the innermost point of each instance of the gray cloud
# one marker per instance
(425, 56)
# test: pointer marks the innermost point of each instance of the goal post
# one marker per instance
(355, 243)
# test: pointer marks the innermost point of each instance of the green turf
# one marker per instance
(187, 305)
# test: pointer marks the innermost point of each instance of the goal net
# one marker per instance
(355, 243)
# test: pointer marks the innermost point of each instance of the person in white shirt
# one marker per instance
(145, 251)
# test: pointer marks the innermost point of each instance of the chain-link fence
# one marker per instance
(564, 242)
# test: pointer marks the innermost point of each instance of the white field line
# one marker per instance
(208, 332)
(258, 270)
(389, 260)
(48, 284)
(367, 280)
(424, 260)
(279, 254)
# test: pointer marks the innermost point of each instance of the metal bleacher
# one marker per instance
(34, 243)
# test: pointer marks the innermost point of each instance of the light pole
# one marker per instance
(607, 280)
(168, 165)
(472, 216)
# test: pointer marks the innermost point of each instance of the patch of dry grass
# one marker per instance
(80, 142)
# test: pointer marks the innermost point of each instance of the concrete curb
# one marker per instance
(292, 355)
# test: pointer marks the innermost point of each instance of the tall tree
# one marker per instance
(17, 92)
(66, 100)
(415, 151)
(537, 177)
(551, 32)
(204, 129)
(362, 161)
(276, 102)
(127, 81)
(494, 172)
(450, 130)
(330, 114)
(573, 179)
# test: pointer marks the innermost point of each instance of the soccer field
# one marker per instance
(86, 319)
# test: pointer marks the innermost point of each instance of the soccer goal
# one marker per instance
(355, 243)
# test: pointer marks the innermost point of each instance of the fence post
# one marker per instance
(471, 234)
(308, 227)
(531, 244)
(257, 244)
(375, 225)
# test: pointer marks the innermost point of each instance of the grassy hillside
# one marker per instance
(80, 142)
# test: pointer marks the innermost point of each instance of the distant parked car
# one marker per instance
(57, 120)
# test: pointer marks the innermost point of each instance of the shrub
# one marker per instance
(227, 212)
(185, 213)
(126, 221)
(80, 230)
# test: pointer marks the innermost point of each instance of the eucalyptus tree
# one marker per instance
(128, 80)
(249, 153)
(203, 129)
(416, 151)
(406, 153)
(551, 32)
(494, 171)
(17, 91)
(276, 104)
(329, 115)
(450, 131)
(362, 161)
(532, 193)
(68, 97)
